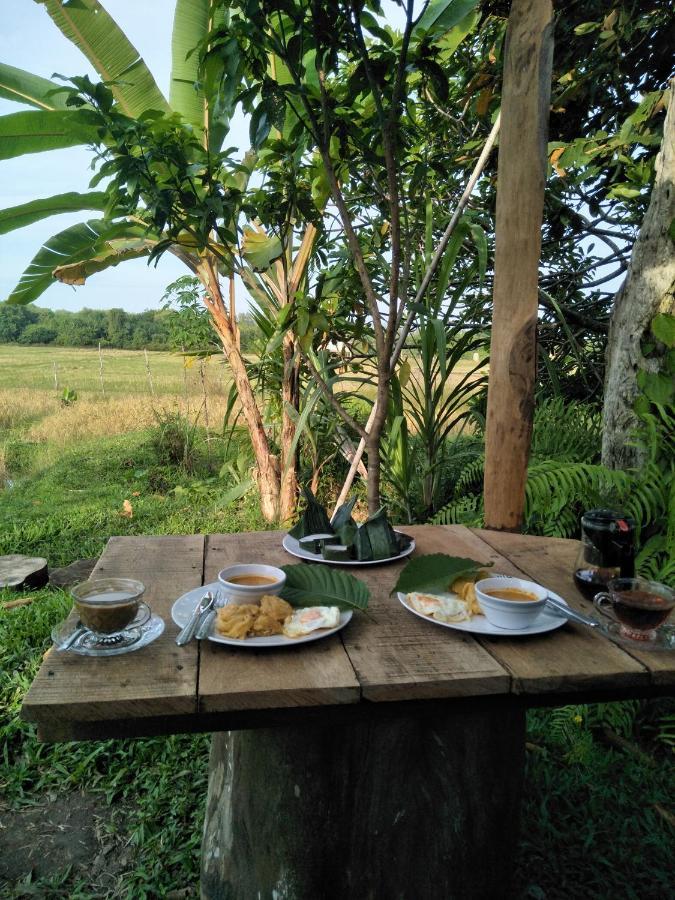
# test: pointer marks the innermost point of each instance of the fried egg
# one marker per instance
(443, 607)
(311, 618)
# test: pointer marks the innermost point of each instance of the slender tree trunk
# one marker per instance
(647, 291)
(267, 474)
(291, 398)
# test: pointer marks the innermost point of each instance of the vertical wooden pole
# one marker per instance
(149, 373)
(100, 368)
(520, 198)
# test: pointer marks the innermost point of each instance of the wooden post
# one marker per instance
(100, 368)
(148, 372)
(520, 198)
(418, 806)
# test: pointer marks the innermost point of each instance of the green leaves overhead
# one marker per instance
(259, 250)
(436, 572)
(88, 25)
(23, 87)
(19, 216)
(319, 585)
(190, 27)
(74, 244)
(35, 131)
(203, 88)
(442, 15)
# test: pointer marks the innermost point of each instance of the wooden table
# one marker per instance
(383, 762)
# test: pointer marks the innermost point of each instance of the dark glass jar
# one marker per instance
(607, 550)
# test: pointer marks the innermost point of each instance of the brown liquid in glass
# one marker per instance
(642, 611)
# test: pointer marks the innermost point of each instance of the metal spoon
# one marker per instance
(562, 610)
(73, 638)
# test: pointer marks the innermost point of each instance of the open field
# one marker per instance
(52, 369)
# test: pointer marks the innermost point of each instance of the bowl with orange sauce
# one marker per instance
(249, 582)
(510, 603)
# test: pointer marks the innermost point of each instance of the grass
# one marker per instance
(124, 372)
(596, 820)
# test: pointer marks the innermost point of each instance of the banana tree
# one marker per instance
(172, 187)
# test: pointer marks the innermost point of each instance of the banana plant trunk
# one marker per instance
(267, 476)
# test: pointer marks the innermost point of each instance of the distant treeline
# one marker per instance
(150, 330)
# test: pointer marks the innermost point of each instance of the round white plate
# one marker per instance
(547, 621)
(292, 546)
(185, 605)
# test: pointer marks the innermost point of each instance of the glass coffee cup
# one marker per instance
(108, 606)
(639, 606)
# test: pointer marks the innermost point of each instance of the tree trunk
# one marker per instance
(520, 200)
(647, 291)
(417, 806)
(290, 396)
(267, 474)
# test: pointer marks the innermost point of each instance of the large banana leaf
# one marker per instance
(20, 216)
(79, 242)
(190, 26)
(23, 87)
(115, 253)
(34, 131)
(205, 98)
(97, 35)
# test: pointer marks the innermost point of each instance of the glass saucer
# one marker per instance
(90, 644)
(664, 640)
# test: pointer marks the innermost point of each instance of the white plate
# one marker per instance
(185, 605)
(547, 621)
(292, 546)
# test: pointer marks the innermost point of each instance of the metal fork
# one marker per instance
(205, 628)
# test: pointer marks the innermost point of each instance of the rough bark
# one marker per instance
(267, 472)
(520, 199)
(290, 396)
(647, 291)
(423, 807)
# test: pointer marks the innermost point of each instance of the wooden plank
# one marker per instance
(520, 197)
(574, 658)
(308, 675)
(560, 556)
(160, 679)
(399, 656)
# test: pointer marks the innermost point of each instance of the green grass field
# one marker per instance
(124, 372)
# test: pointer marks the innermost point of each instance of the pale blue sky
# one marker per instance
(30, 40)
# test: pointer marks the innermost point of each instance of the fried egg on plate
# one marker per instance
(311, 618)
(444, 607)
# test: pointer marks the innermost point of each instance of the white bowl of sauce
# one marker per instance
(510, 603)
(249, 582)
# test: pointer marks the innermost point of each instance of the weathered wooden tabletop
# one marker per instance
(385, 659)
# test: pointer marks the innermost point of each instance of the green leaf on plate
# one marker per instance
(435, 572)
(318, 585)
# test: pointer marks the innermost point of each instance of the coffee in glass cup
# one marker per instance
(637, 605)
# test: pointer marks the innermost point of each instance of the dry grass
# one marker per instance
(87, 418)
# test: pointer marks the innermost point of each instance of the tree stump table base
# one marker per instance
(386, 808)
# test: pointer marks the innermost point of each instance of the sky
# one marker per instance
(29, 40)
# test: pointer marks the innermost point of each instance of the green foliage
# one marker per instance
(565, 478)
(435, 572)
(68, 396)
(85, 328)
(307, 581)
